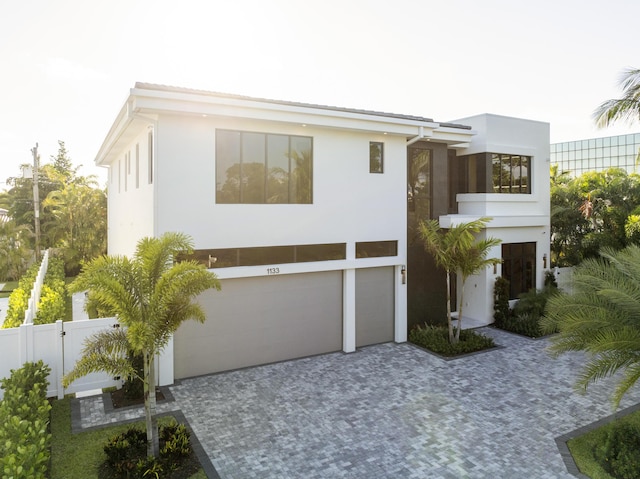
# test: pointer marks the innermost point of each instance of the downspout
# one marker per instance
(417, 138)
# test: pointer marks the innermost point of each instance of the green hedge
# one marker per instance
(51, 306)
(24, 423)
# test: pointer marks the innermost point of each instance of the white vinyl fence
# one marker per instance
(60, 346)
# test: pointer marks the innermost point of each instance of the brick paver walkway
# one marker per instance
(388, 411)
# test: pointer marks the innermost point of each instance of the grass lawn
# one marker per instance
(8, 287)
(79, 455)
(581, 447)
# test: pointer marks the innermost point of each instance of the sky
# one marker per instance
(66, 66)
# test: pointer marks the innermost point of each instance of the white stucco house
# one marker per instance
(307, 214)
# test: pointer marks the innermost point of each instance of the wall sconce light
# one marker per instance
(544, 261)
(212, 260)
(495, 268)
(403, 273)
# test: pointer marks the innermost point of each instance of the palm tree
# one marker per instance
(151, 295)
(458, 251)
(626, 108)
(600, 317)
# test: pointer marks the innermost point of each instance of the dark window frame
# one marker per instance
(376, 164)
(376, 249)
(250, 186)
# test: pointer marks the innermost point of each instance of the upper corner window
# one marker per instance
(511, 173)
(376, 157)
(258, 168)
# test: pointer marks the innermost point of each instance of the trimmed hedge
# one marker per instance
(436, 339)
(24, 423)
(51, 306)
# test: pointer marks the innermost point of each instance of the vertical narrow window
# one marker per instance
(126, 168)
(137, 165)
(376, 157)
(252, 169)
(150, 156)
(300, 179)
(277, 169)
(419, 183)
(227, 166)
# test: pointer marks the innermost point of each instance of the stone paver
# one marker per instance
(390, 411)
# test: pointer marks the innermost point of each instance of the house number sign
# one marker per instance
(273, 270)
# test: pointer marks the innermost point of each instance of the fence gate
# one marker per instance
(73, 337)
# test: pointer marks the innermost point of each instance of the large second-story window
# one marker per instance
(510, 173)
(258, 168)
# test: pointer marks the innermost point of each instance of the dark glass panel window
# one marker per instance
(264, 255)
(228, 166)
(252, 168)
(376, 158)
(278, 169)
(301, 169)
(320, 252)
(376, 249)
(518, 267)
(419, 182)
(510, 173)
(261, 168)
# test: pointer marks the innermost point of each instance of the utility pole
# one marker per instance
(36, 198)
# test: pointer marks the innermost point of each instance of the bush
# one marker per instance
(619, 454)
(127, 453)
(24, 423)
(501, 311)
(51, 306)
(436, 339)
(19, 298)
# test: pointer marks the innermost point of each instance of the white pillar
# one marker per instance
(400, 323)
(349, 310)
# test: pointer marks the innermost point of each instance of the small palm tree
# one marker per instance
(626, 108)
(151, 295)
(600, 317)
(458, 251)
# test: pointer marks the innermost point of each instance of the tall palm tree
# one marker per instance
(458, 251)
(151, 295)
(626, 108)
(600, 317)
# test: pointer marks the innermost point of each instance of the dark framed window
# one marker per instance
(510, 173)
(266, 255)
(376, 157)
(257, 168)
(376, 249)
(419, 171)
(519, 267)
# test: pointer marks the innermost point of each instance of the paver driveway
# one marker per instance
(395, 411)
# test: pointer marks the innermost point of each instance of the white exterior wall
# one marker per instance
(516, 218)
(130, 210)
(349, 203)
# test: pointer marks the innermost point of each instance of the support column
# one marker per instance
(400, 321)
(349, 310)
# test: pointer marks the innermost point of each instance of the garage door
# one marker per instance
(261, 320)
(375, 305)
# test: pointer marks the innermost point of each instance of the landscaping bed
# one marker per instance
(436, 339)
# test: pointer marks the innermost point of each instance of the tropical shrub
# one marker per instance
(51, 306)
(619, 453)
(501, 311)
(127, 453)
(24, 423)
(436, 339)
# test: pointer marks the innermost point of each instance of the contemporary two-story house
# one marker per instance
(307, 214)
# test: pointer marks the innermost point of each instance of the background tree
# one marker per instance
(15, 253)
(458, 251)
(600, 317)
(626, 108)
(151, 296)
(78, 216)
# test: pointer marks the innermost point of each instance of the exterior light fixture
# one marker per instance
(544, 260)
(403, 273)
